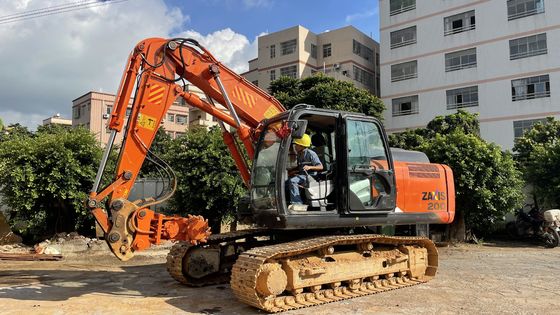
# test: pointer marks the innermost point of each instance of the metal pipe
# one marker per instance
(228, 102)
(103, 162)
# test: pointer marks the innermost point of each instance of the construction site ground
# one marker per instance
(495, 278)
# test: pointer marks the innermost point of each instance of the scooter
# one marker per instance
(540, 226)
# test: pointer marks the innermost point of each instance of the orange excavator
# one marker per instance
(322, 251)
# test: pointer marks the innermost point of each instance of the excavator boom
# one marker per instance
(153, 71)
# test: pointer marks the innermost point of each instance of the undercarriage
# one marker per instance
(281, 276)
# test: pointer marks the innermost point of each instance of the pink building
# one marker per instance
(93, 110)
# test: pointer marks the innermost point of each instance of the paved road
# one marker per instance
(490, 279)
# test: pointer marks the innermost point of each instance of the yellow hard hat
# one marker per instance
(304, 141)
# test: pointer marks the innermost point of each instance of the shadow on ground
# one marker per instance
(518, 243)
(132, 282)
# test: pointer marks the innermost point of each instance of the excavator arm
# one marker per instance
(153, 71)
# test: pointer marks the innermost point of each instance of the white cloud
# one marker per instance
(257, 3)
(227, 46)
(49, 61)
(362, 15)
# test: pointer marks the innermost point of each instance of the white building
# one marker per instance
(499, 58)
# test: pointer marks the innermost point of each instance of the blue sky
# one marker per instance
(253, 17)
(86, 50)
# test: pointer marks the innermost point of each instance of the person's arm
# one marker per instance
(315, 161)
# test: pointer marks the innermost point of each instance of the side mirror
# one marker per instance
(298, 128)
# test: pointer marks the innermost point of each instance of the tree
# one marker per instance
(487, 183)
(46, 178)
(159, 147)
(326, 92)
(14, 131)
(1, 124)
(208, 180)
(538, 155)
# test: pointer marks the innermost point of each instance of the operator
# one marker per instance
(307, 161)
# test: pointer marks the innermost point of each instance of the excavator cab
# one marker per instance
(357, 177)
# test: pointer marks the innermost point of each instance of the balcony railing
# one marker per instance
(460, 29)
(403, 43)
(529, 96)
(405, 112)
(461, 66)
(542, 51)
(462, 105)
(526, 13)
(403, 9)
(404, 77)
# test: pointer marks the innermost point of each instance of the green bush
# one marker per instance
(46, 178)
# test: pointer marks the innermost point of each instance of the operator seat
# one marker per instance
(320, 187)
(319, 143)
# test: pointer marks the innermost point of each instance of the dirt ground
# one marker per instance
(497, 278)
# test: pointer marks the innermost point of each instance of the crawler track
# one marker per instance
(250, 264)
(176, 258)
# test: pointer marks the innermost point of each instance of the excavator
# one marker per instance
(326, 252)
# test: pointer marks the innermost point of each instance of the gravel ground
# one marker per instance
(502, 278)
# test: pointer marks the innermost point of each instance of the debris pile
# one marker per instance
(6, 235)
(69, 244)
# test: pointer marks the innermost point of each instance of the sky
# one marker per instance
(49, 61)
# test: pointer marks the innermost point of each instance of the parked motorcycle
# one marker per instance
(538, 225)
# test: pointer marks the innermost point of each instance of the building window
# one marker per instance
(459, 23)
(522, 8)
(290, 71)
(362, 50)
(377, 59)
(256, 82)
(272, 51)
(463, 97)
(405, 106)
(327, 50)
(406, 36)
(182, 119)
(527, 46)
(404, 71)
(76, 112)
(364, 77)
(529, 88)
(171, 117)
(520, 126)
(400, 6)
(272, 75)
(313, 51)
(460, 60)
(109, 109)
(180, 102)
(288, 47)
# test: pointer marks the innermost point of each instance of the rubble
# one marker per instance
(6, 234)
(70, 244)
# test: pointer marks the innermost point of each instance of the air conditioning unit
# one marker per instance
(336, 66)
(106, 116)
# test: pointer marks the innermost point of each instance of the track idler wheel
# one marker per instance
(272, 280)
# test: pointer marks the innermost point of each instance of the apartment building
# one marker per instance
(93, 110)
(345, 54)
(57, 120)
(499, 58)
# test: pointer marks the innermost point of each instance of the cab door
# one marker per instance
(369, 169)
